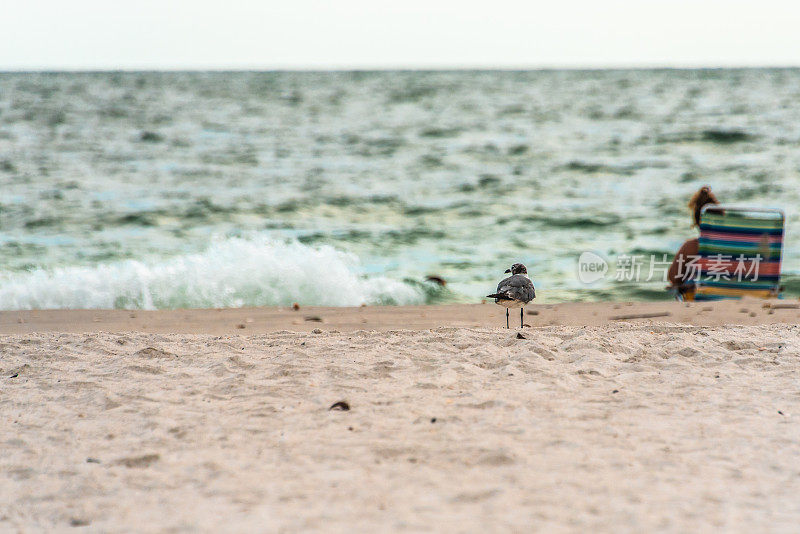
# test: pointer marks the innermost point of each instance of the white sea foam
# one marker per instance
(232, 272)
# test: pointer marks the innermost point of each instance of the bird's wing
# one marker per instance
(517, 287)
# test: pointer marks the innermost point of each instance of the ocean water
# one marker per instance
(168, 190)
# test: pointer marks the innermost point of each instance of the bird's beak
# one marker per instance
(508, 270)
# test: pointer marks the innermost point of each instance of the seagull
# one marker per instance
(515, 291)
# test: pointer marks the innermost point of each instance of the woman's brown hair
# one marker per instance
(702, 198)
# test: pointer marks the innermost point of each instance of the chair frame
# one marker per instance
(774, 291)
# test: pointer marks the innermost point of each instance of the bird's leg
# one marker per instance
(520, 317)
(507, 318)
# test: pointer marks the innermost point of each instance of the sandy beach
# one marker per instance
(183, 421)
(305, 319)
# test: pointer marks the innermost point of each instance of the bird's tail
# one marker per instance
(496, 296)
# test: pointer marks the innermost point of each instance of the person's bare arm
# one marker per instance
(678, 268)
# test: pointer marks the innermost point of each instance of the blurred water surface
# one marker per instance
(230, 189)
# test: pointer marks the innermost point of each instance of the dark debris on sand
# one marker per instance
(341, 406)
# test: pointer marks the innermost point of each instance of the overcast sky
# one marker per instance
(265, 34)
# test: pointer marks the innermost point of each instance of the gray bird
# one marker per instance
(515, 291)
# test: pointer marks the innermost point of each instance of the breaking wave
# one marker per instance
(231, 272)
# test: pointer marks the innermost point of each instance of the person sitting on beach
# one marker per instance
(680, 278)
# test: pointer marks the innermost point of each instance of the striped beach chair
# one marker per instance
(739, 253)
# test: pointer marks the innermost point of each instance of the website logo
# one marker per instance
(591, 267)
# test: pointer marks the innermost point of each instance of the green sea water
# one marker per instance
(165, 190)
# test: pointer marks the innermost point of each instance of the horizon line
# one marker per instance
(393, 68)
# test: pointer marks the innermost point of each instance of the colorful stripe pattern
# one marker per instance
(740, 253)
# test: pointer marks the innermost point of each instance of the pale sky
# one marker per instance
(302, 34)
